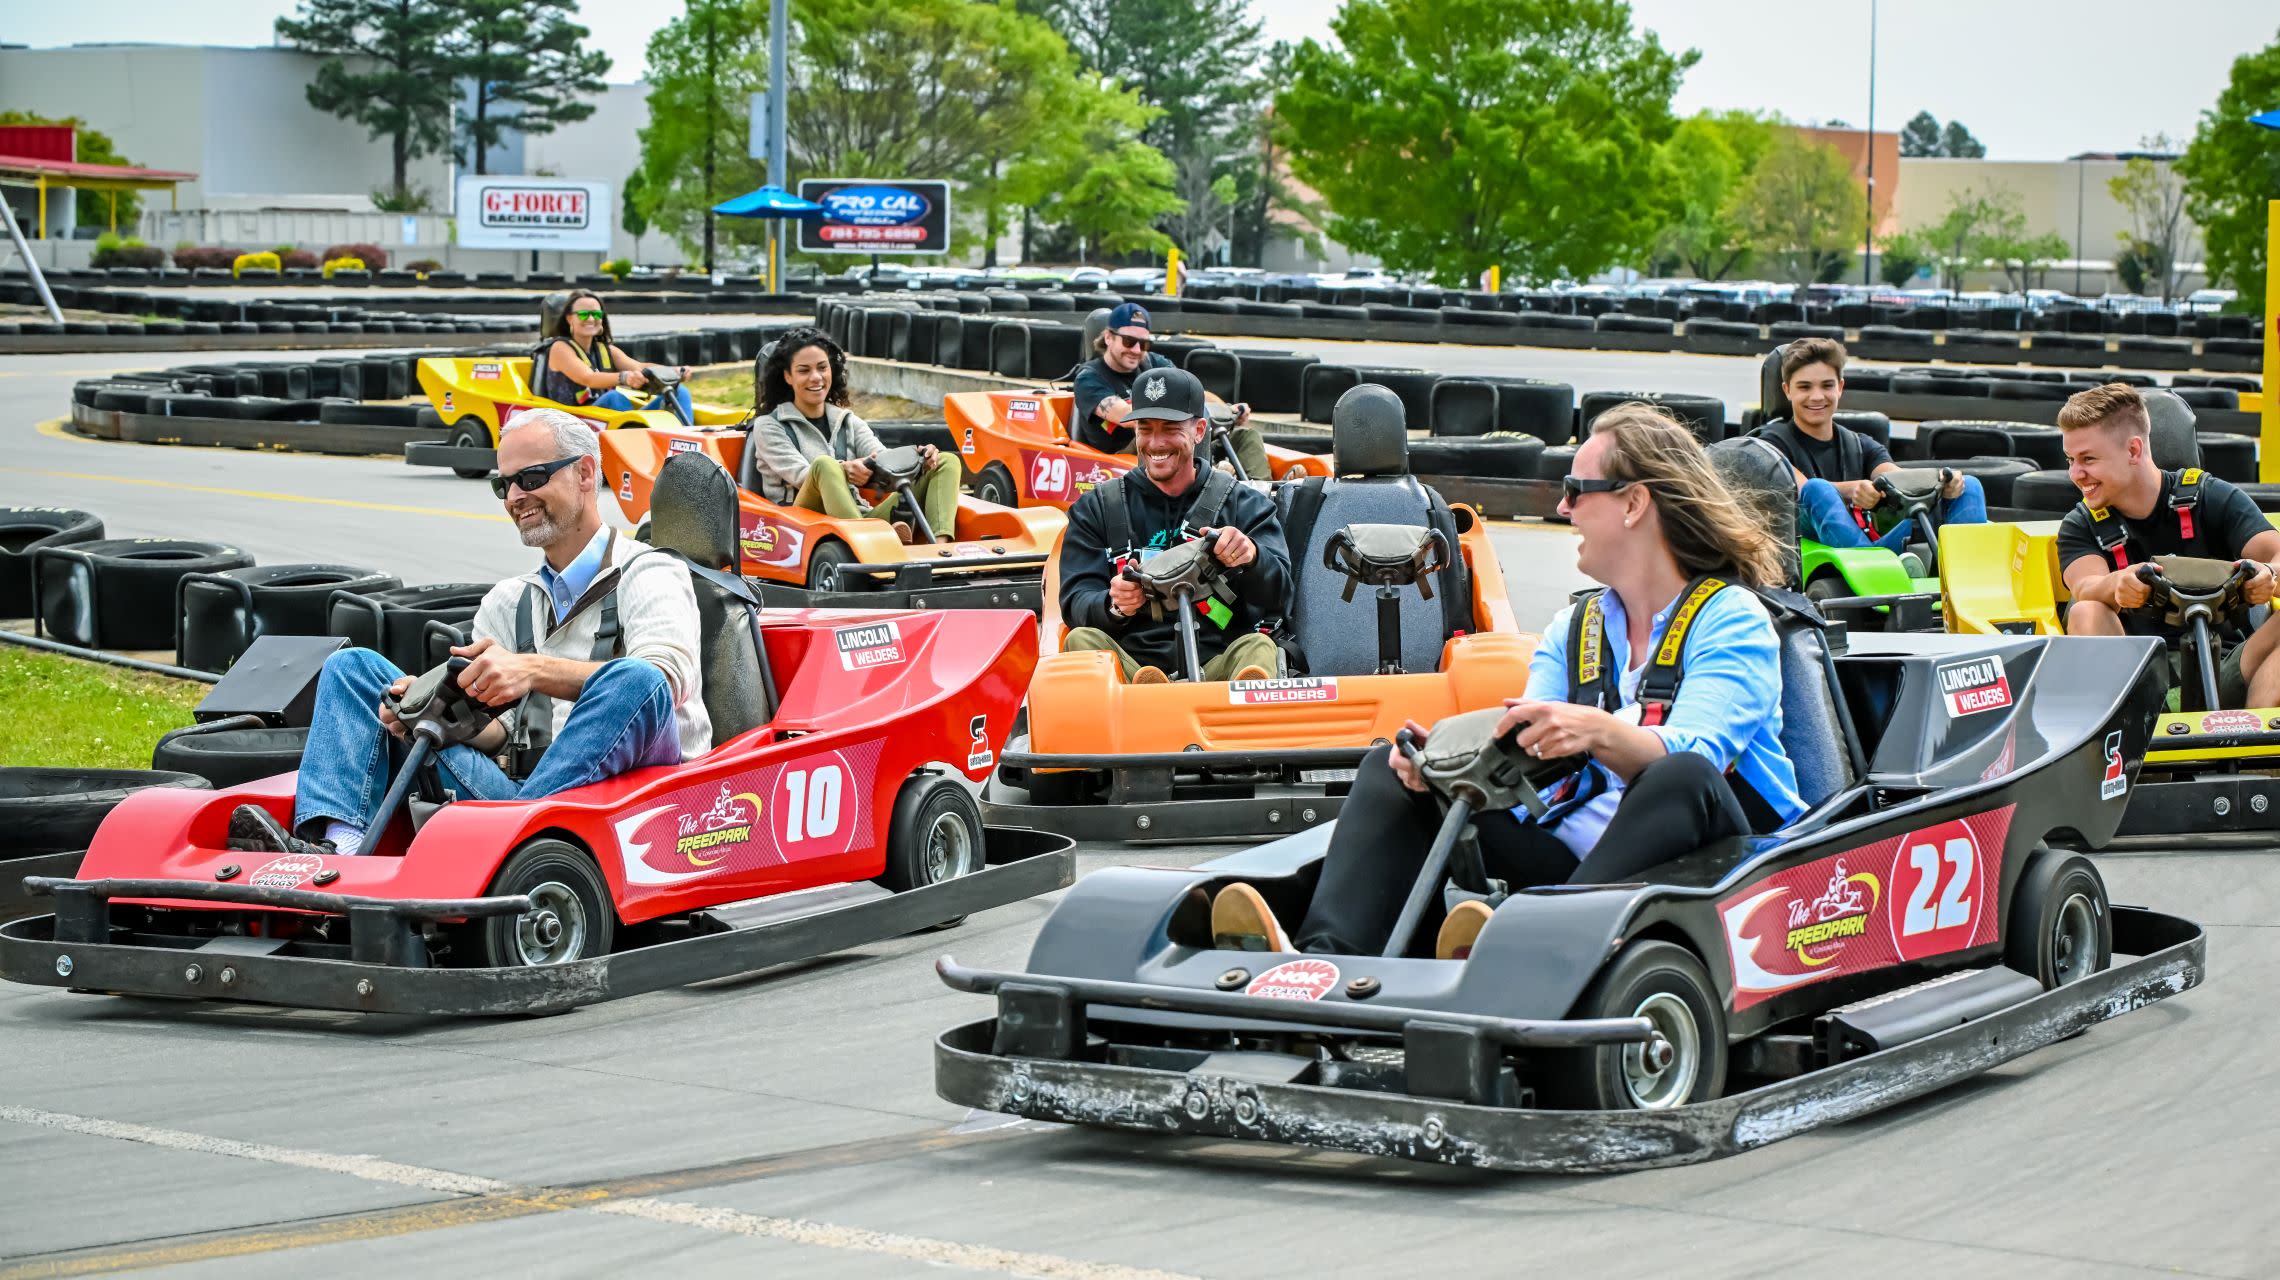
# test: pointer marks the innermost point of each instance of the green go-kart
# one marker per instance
(1874, 588)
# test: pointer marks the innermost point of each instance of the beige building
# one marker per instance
(2071, 198)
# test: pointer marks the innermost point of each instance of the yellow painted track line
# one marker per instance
(301, 499)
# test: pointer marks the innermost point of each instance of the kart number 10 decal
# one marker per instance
(813, 805)
(811, 802)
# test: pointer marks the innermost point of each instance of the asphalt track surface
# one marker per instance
(786, 1123)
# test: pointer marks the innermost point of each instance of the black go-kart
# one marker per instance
(1913, 928)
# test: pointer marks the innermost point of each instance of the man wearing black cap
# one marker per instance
(1168, 499)
(1104, 392)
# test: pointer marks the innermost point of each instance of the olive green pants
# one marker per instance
(1251, 649)
(827, 489)
(1251, 451)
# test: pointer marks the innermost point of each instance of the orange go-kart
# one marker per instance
(1398, 613)
(1017, 449)
(806, 559)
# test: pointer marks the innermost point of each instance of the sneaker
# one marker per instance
(1254, 672)
(1461, 929)
(254, 829)
(1150, 675)
(903, 532)
(1914, 564)
(1242, 921)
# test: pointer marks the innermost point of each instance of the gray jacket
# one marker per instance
(788, 443)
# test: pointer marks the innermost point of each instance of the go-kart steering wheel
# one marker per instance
(895, 471)
(1470, 768)
(660, 383)
(436, 713)
(1176, 578)
(1917, 491)
(2198, 594)
(1217, 438)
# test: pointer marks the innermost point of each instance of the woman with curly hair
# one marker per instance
(810, 450)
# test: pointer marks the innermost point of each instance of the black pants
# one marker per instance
(1675, 806)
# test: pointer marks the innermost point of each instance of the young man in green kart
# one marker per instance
(1837, 467)
(2132, 511)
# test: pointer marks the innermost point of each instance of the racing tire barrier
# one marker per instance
(1055, 350)
(23, 531)
(1963, 439)
(1476, 457)
(1995, 475)
(394, 622)
(1873, 425)
(1271, 381)
(1009, 349)
(1462, 407)
(1536, 407)
(230, 757)
(1321, 385)
(116, 593)
(2045, 491)
(1705, 416)
(219, 615)
(1220, 372)
(55, 810)
(2228, 457)
(1413, 386)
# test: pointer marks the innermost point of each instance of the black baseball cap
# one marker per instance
(1168, 395)
(1129, 319)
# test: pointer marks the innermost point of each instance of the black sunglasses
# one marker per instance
(1143, 343)
(531, 479)
(1572, 488)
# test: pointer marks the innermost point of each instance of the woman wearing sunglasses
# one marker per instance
(579, 365)
(1676, 554)
(810, 450)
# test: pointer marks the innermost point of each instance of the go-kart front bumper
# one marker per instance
(435, 453)
(1040, 1058)
(388, 969)
(1183, 796)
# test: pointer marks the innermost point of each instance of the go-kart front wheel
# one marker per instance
(470, 435)
(2061, 928)
(1665, 984)
(936, 836)
(570, 918)
(823, 566)
(995, 484)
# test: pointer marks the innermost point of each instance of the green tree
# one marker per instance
(704, 67)
(529, 66)
(1099, 183)
(1957, 143)
(1901, 256)
(1920, 137)
(633, 209)
(1710, 157)
(1802, 209)
(1452, 135)
(1972, 219)
(2232, 172)
(399, 86)
(91, 146)
(2160, 238)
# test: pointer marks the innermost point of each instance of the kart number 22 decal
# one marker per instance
(812, 806)
(1927, 893)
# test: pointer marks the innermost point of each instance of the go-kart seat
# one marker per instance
(1337, 636)
(1762, 479)
(693, 514)
(1816, 728)
(2175, 438)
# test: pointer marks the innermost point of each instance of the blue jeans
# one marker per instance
(615, 399)
(1827, 518)
(622, 720)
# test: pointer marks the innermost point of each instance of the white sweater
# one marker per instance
(657, 623)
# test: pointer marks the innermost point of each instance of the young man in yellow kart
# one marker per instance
(2132, 511)
(1103, 393)
(1169, 499)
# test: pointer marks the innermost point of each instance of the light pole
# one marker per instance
(1868, 140)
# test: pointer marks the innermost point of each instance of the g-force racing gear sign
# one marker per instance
(1129, 518)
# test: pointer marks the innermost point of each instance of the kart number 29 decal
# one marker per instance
(1062, 477)
(812, 806)
(1924, 894)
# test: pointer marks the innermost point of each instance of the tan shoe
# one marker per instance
(1150, 675)
(1254, 672)
(1461, 930)
(1242, 921)
(903, 532)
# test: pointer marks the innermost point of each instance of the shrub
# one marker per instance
(189, 257)
(373, 256)
(298, 260)
(619, 267)
(343, 264)
(423, 266)
(253, 262)
(112, 251)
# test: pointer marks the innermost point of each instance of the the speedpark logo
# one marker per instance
(1911, 897)
(816, 805)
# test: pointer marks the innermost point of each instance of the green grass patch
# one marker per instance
(61, 712)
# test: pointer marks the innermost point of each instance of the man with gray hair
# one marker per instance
(598, 647)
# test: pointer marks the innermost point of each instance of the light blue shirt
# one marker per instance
(565, 587)
(1728, 706)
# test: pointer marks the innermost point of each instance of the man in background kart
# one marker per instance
(580, 363)
(599, 646)
(1168, 499)
(1103, 392)
(1836, 467)
(2132, 511)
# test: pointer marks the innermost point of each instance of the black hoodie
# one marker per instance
(1088, 562)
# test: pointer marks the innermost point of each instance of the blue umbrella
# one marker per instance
(2270, 119)
(768, 202)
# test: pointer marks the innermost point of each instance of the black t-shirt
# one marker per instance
(1096, 382)
(1824, 459)
(2223, 523)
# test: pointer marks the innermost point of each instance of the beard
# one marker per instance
(543, 533)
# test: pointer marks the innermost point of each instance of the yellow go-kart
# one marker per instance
(475, 394)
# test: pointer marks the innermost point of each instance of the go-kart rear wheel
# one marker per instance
(469, 434)
(1827, 587)
(1665, 984)
(936, 835)
(571, 917)
(995, 484)
(823, 566)
(2060, 928)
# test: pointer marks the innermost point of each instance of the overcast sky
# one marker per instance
(2034, 79)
